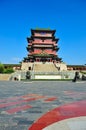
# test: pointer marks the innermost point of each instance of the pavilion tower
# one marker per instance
(42, 46)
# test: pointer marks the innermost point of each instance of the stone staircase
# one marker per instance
(44, 67)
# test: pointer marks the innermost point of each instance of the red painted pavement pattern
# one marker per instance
(24, 97)
(17, 102)
(12, 101)
(50, 99)
(36, 98)
(76, 109)
(17, 109)
(33, 95)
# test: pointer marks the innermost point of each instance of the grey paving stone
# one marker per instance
(23, 119)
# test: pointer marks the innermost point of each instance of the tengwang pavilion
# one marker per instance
(42, 46)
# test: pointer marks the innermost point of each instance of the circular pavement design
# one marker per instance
(67, 117)
(77, 123)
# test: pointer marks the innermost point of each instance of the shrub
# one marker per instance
(1, 68)
(8, 70)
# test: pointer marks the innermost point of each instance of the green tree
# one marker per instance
(8, 70)
(1, 68)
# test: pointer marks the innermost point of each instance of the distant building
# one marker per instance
(13, 66)
(76, 67)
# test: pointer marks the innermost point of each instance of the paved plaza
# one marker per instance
(25, 105)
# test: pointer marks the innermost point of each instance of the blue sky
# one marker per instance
(68, 17)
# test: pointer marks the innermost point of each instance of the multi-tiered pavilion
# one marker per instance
(42, 46)
(42, 52)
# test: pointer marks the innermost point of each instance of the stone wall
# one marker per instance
(5, 76)
(61, 66)
(25, 66)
